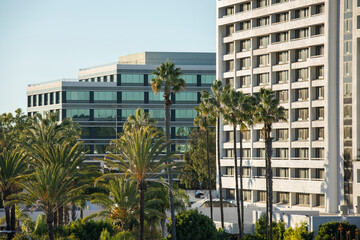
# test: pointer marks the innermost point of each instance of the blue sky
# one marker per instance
(47, 40)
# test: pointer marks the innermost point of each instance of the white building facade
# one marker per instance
(306, 51)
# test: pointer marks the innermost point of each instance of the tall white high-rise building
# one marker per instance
(307, 52)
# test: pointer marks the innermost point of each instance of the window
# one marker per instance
(78, 114)
(229, 30)
(302, 173)
(347, 47)
(263, 21)
(262, 3)
(282, 172)
(261, 152)
(246, 172)
(301, 33)
(347, 68)
(229, 171)
(319, 92)
(301, 13)
(245, 25)
(156, 97)
(320, 153)
(190, 79)
(302, 153)
(125, 113)
(261, 196)
(46, 100)
(77, 96)
(319, 173)
(105, 96)
(348, 5)
(245, 81)
(347, 132)
(283, 134)
(319, 113)
(246, 135)
(132, 96)
(57, 97)
(319, 29)
(320, 133)
(157, 113)
(302, 94)
(185, 114)
(320, 200)
(347, 111)
(263, 60)
(229, 136)
(303, 199)
(261, 172)
(229, 47)
(245, 45)
(319, 50)
(135, 79)
(302, 114)
(302, 54)
(282, 57)
(230, 193)
(282, 153)
(244, 7)
(281, 17)
(104, 132)
(207, 79)
(105, 114)
(245, 63)
(347, 90)
(282, 197)
(186, 97)
(319, 72)
(282, 37)
(320, 8)
(263, 79)
(51, 98)
(229, 11)
(302, 133)
(229, 66)
(182, 132)
(247, 195)
(263, 42)
(283, 96)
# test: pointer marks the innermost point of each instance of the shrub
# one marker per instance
(193, 225)
(298, 233)
(105, 235)
(260, 229)
(331, 230)
(41, 227)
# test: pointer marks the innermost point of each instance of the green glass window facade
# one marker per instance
(156, 97)
(104, 132)
(182, 148)
(132, 79)
(127, 112)
(77, 96)
(182, 132)
(190, 79)
(157, 113)
(104, 114)
(101, 149)
(78, 114)
(186, 97)
(207, 79)
(85, 132)
(105, 96)
(185, 114)
(133, 96)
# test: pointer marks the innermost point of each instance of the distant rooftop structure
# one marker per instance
(179, 58)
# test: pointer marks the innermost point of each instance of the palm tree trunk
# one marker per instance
(236, 183)
(49, 221)
(55, 218)
(241, 187)
(168, 149)
(12, 220)
(66, 214)
(268, 152)
(209, 173)
(60, 215)
(73, 211)
(142, 189)
(163, 229)
(81, 213)
(219, 171)
(7, 215)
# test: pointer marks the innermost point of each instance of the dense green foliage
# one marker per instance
(193, 225)
(300, 232)
(333, 230)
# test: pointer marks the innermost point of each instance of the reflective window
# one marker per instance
(157, 113)
(186, 97)
(190, 79)
(182, 148)
(100, 149)
(105, 96)
(78, 114)
(207, 79)
(182, 132)
(77, 96)
(132, 79)
(133, 96)
(156, 97)
(185, 114)
(127, 112)
(105, 114)
(104, 132)
(85, 132)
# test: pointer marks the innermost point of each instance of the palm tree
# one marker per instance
(140, 157)
(268, 111)
(203, 120)
(214, 100)
(121, 205)
(237, 112)
(48, 188)
(12, 166)
(168, 77)
(140, 119)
